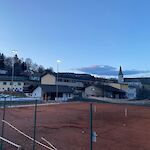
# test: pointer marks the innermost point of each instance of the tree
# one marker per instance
(50, 70)
(34, 67)
(8, 62)
(23, 66)
(41, 69)
(2, 59)
(28, 62)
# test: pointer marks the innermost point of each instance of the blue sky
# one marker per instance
(81, 33)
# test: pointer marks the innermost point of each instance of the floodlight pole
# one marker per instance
(57, 93)
(13, 70)
(57, 84)
(2, 132)
(91, 126)
(34, 130)
(12, 78)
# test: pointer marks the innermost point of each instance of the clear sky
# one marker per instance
(81, 33)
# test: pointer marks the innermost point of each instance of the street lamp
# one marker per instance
(58, 61)
(14, 52)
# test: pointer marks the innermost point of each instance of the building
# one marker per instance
(132, 92)
(28, 90)
(3, 72)
(48, 92)
(67, 79)
(6, 84)
(142, 86)
(121, 86)
(120, 76)
(138, 82)
(128, 87)
(104, 91)
(77, 82)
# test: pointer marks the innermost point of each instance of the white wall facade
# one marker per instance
(6, 86)
(37, 93)
(93, 91)
(48, 79)
(120, 79)
(131, 94)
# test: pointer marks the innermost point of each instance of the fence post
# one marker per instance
(34, 130)
(91, 126)
(2, 132)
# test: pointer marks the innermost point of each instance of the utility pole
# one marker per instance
(14, 52)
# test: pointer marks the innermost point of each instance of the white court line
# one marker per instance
(49, 143)
(43, 145)
(12, 143)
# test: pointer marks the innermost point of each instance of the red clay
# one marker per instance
(67, 126)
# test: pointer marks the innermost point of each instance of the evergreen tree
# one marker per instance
(2, 59)
(23, 66)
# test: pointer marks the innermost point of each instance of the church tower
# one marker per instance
(120, 76)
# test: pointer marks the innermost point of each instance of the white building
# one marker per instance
(131, 91)
(6, 84)
(67, 79)
(48, 92)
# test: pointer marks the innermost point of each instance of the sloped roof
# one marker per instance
(143, 80)
(29, 88)
(72, 76)
(120, 71)
(15, 78)
(109, 88)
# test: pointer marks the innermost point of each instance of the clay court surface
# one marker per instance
(66, 126)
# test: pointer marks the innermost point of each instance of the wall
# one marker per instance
(131, 94)
(17, 86)
(93, 91)
(72, 84)
(37, 92)
(48, 79)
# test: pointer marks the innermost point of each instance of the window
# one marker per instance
(4, 83)
(19, 83)
(59, 80)
(11, 83)
(66, 80)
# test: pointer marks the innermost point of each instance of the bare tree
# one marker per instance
(29, 63)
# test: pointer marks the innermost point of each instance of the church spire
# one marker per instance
(120, 71)
(120, 76)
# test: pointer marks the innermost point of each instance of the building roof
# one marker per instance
(52, 88)
(15, 78)
(120, 71)
(143, 80)
(72, 76)
(109, 88)
(29, 88)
